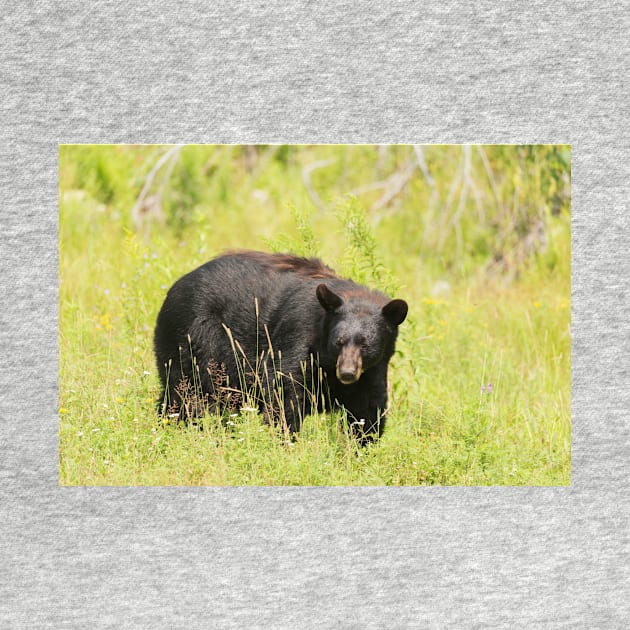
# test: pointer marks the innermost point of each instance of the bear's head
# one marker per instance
(359, 330)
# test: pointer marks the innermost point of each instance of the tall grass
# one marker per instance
(478, 244)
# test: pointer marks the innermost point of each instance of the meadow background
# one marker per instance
(475, 238)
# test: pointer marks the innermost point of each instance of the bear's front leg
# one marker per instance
(366, 404)
(371, 422)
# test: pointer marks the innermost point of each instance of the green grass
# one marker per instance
(466, 327)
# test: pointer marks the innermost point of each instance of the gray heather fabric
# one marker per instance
(314, 557)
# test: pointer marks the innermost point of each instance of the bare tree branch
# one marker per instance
(493, 183)
(463, 196)
(422, 163)
(369, 187)
(306, 178)
(468, 183)
(146, 204)
(444, 222)
(394, 185)
(383, 150)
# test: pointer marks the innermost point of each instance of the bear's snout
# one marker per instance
(349, 364)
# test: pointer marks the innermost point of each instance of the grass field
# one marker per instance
(476, 241)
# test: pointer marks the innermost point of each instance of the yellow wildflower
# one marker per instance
(104, 322)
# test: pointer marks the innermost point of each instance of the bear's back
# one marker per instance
(243, 288)
(232, 282)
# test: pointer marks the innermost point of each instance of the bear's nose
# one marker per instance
(348, 376)
(349, 365)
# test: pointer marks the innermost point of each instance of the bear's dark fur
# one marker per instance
(276, 326)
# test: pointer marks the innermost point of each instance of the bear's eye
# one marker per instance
(340, 341)
(361, 341)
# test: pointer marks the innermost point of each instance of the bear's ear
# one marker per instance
(329, 300)
(395, 312)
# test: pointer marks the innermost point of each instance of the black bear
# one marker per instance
(285, 331)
